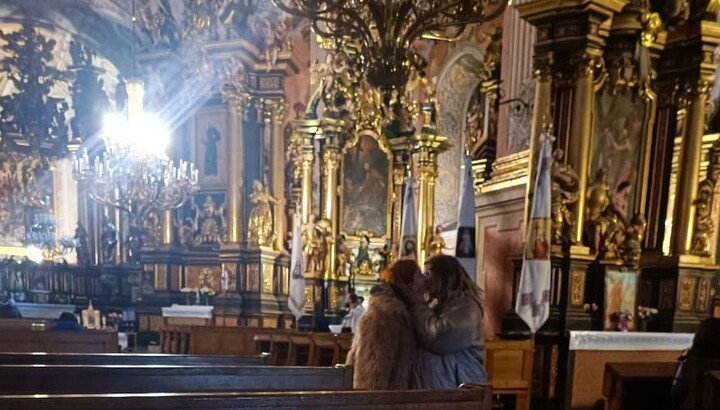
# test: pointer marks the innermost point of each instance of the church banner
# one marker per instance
(408, 246)
(296, 299)
(465, 246)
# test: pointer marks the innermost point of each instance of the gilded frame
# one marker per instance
(642, 166)
(384, 148)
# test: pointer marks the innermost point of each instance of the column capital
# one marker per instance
(238, 101)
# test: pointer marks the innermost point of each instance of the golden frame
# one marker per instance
(385, 148)
(649, 98)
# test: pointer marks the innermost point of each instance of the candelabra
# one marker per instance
(384, 31)
(134, 174)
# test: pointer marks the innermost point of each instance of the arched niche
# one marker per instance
(457, 82)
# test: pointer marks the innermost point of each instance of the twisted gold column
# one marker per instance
(333, 130)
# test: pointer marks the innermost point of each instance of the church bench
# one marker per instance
(638, 385)
(478, 397)
(85, 341)
(711, 391)
(55, 379)
(326, 349)
(301, 350)
(134, 359)
(509, 368)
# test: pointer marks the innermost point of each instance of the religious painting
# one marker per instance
(620, 298)
(621, 124)
(203, 220)
(210, 145)
(26, 192)
(466, 243)
(366, 186)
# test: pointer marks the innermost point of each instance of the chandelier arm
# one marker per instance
(303, 11)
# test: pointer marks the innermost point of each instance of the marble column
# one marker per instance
(65, 201)
(275, 113)
(401, 151)
(308, 129)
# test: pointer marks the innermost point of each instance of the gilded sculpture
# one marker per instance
(435, 244)
(210, 226)
(565, 192)
(344, 263)
(260, 224)
(315, 239)
(597, 200)
(704, 225)
(631, 249)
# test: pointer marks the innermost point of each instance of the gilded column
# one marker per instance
(275, 114)
(238, 104)
(689, 173)
(308, 129)
(427, 145)
(167, 229)
(333, 131)
(401, 151)
(579, 139)
(542, 113)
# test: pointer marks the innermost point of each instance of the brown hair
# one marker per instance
(400, 273)
(449, 279)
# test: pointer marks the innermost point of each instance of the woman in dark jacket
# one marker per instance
(448, 328)
(693, 364)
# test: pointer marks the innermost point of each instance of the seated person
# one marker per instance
(67, 321)
(9, 311)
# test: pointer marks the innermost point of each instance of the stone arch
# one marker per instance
(457, 82)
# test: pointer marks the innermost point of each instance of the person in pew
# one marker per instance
(384, 348)
(705, 347)
(446, 311)
(9, 310)
(67, 321)
(353, 316)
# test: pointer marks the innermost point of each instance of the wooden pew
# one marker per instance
(509, 367)
(86, 341)
(58, 379)
(326, 349)
(135, 359)
(638, 385)
(301, 350)
(711, 391)
(477, 397)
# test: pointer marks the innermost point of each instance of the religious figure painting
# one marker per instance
(620, 296)
(210, 145)
(617, 142)
(365, 188)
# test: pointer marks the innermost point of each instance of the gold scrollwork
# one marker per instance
(577, 295)
(565, 193)
(687, 293)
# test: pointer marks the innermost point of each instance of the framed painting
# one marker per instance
(210, 134)
(623, 122)
(366, 187)
(620, 297)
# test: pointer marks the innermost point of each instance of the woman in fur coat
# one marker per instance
(384, 349)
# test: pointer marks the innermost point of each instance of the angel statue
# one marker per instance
(260, 225)
(435, 242)
(312, 243)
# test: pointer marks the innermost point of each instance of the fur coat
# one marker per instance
(384, 348)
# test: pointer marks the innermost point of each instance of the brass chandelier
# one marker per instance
(383, 31)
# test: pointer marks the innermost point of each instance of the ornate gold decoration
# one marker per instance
(435, 242)
(294, 156)
(652, 26)
(260, 224)
(631, 248)
(267, 277)
(207, 226)
(315, 241)
(253, 278)
(687, 293)
(577, 281)
(704, 229)
(565, 192)
(598, 199)
(161, 277)
(388, 30)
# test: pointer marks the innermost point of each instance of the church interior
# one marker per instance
(160, 160)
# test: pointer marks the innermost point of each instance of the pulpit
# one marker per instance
(187, 315)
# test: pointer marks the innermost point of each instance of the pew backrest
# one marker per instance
(629, 385)
(85, 341)
(57, 379)
(477, 398)
(134, 359)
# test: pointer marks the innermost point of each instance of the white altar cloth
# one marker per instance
(628, 341)
(195, 311)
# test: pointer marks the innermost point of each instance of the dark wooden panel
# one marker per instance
(100, 359)
(478, 398)
(29, 379)
(86, 341)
